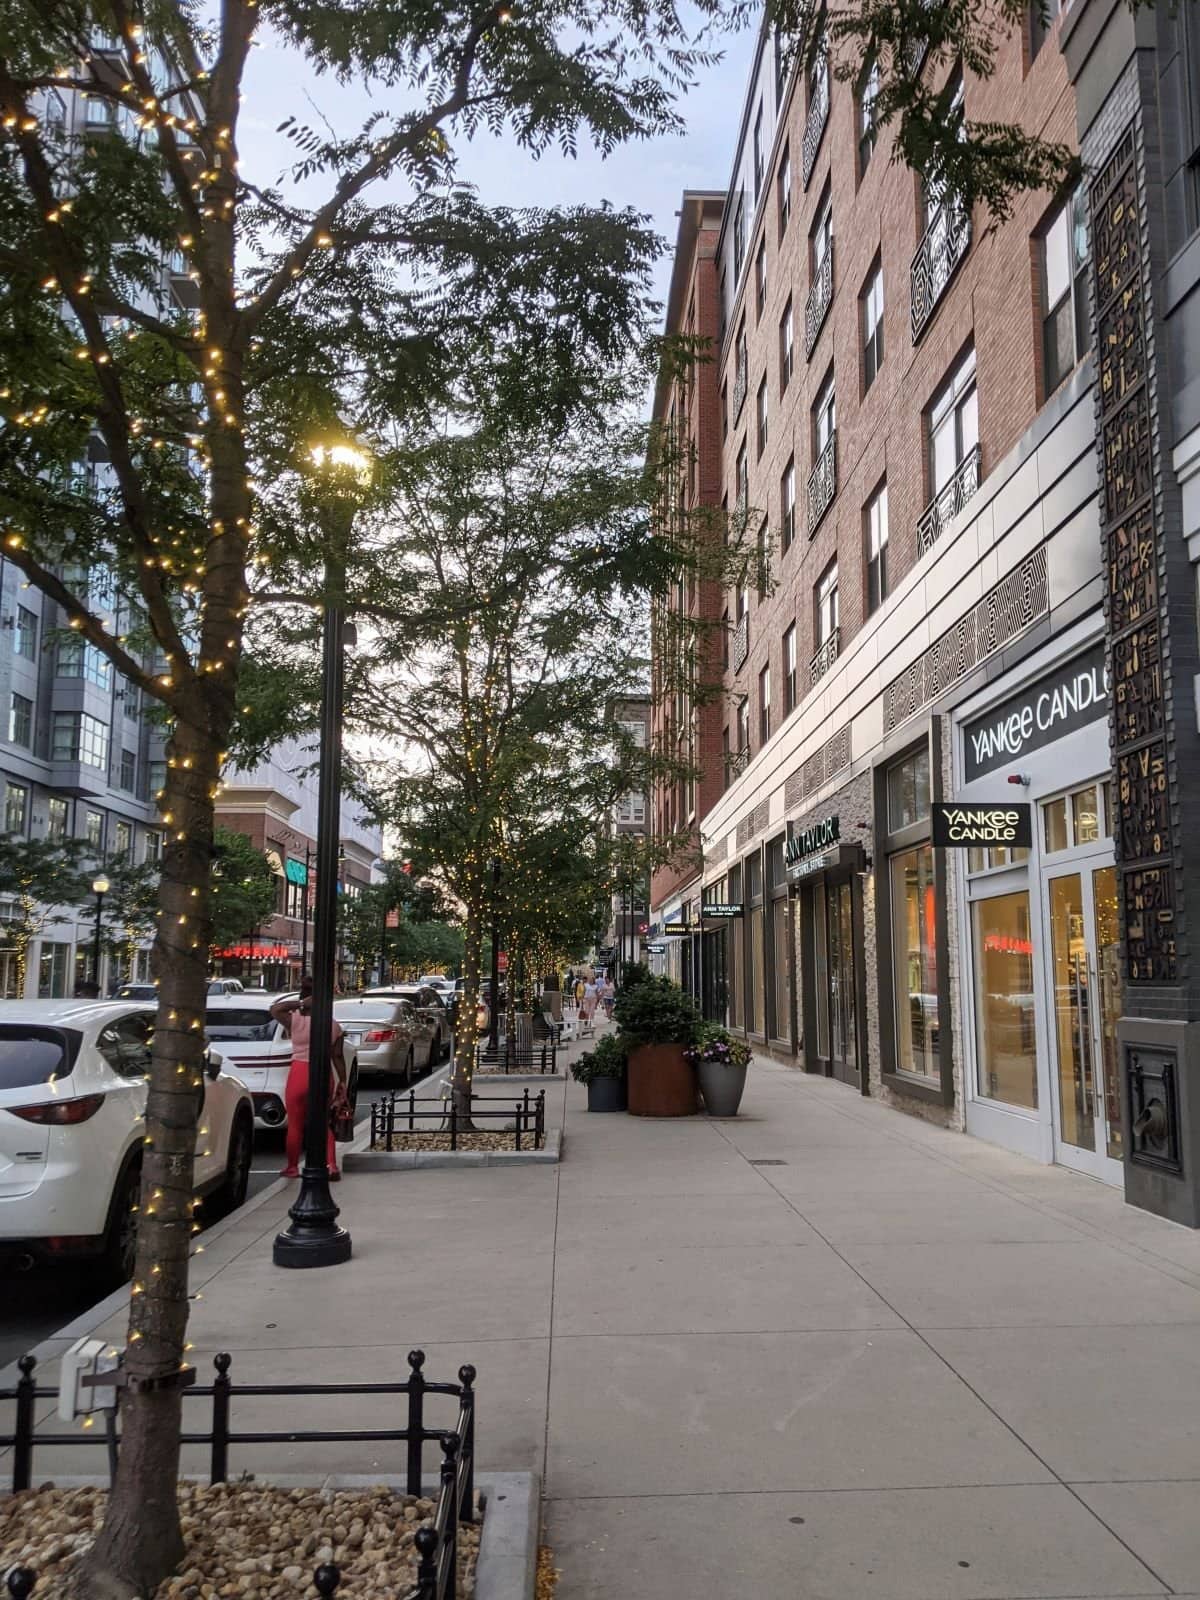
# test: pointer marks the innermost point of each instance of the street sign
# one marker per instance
(722, 908)
(958, 826)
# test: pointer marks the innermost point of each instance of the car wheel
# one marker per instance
(443, 1046)
(232, 1192)
(120, 1234)
(352, 1089)
(409, 1066)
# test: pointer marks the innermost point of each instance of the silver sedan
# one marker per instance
(386, 1035)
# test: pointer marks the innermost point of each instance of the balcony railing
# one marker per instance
(739, 647)
(739, 760)
(817, 305)
(740, 381)
(947, 240)
(824, 658)
(818, 116)
(948, 502)
(822, 484)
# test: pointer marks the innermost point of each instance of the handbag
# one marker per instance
(341, 1117)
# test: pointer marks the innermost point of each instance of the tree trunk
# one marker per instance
(468, 1031)
(141, 1543)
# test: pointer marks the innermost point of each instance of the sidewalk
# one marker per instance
(824, 1352)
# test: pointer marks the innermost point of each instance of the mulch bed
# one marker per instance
(466, 1141)
(245, 1541)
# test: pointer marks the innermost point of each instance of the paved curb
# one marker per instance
(408, 1160)
(518, 1077)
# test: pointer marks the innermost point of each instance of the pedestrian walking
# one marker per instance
(587, 1006)
(608, 995)
(296, 1019)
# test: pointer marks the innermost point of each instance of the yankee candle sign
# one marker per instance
(1070, 697)
(958, 826)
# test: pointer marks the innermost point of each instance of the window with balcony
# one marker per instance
(739, 239)
(820, 262)
(872, 324)
(818, 113)
(758, 150)
(762, 562)
(725, 410)
(726, 757)
(79, 738)
(741, 374)
(824, 416)
(122, 839)
(787, 507)
(25, 632)
(822, 480)
(783, 189)
(743, 728)
(787, 350)
(79, 659)
(1043, 14)
(791, 687)
(93, 830)
(1063, 258)
(826, 630)
(764, 706)
(760, 277)
(953, 424)
(57, 814)
(760, 414)
(742, 480)
(875, 535)
(20, 721)
(945, 240)
(16, 808)
(867, 131)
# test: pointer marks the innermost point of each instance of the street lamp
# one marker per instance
(100, 887)
(341, 475)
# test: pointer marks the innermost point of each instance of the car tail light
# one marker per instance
(379, 1036)
(60, 1113)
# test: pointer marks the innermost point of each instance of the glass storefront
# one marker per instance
(780, 935)
(52, 970)
(756, 971)
(1004, 1005)
(915, 955)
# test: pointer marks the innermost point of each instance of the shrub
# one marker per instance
(637, 972)
(607, 1060)
(657, 1011)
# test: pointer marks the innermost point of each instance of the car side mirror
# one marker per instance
(212, 1065)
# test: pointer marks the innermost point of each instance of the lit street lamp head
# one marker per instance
(101, 885)
(344, 465)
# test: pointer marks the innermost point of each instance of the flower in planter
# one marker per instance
(716, 1044)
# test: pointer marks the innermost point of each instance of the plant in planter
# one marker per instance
(636, 972)
(658, 1023)
(720, 1060)
(603, 1071)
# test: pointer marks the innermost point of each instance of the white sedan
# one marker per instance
(73, 1083)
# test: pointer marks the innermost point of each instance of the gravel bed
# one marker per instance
(245, 1541)
(466, 1141)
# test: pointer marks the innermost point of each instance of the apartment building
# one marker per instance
(948, 854)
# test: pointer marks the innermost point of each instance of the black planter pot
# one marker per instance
(606, 1094)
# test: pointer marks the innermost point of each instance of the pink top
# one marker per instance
(302, 1032)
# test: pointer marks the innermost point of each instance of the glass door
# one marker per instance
(842, 1021)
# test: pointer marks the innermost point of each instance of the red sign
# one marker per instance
(502, 962)
(392, 920)
(256, 952)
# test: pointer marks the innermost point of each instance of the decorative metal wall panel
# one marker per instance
(818, 116)
(1148, 895)
(716, 853)
(1132, 569)
(822, 484)
(1122, 345)
(817, 304)
(943, 246)
(1137, 683)
(739, 647)
(1128, 464)
(824, 658)
(1144, 802)
(821, 768)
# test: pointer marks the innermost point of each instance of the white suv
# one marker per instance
(256, 1051)
(72, 1103)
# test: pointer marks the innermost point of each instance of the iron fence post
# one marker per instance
(23, 1442)
(466, 1509)
(453, 1125)
(450, 1445)
(412, 1108)
(540, 1128)
(416, 1419)
(20, 1582)
(219, 1465)
(326, 1578)
(426, 1541)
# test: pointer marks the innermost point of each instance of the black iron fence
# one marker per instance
(437, 1542)
(397, 1114)
(517, 1055)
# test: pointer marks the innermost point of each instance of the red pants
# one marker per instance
(296, 1100)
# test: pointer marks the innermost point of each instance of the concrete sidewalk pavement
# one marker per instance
(821, 1352)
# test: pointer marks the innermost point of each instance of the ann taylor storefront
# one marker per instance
(1039, 938)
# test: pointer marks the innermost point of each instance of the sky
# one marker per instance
(650, 176)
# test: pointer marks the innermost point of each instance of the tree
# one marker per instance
(42, 877)
(172, 332)
(244, 889)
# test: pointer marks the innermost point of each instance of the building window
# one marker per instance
(153, 845)
(760, 277)
(52, 970)
(760, 413)
(908, 791)
(821, 237)
(725, 410)
(25, 634)
(867, 131)
(93, 829)
(56, 818)
(726, 756)
(129, 771)
(80, 738)
(915, 954)
(790, 686)
(742, 479)
(79, 659)
(1043, 14)
(824, 417)
(787, 507)
(787, 347)
(783, 186)
(739, 239)
(743, 726)
(875, 529)
(762, 562)
(764, 705)
(16, 808)
(758, 150)
(1004, 988)
(825, 605)
(1063, 252)
(122, 839)
(953, 423)
(20, 721)
(872, 324)
(156, 777)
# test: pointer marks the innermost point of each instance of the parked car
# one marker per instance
(387, 1035)
(137, 991)
(73, 1084)
(429, 1004)
(257, 1051)
(225, 986)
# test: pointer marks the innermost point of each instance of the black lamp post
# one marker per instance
(308, 860)
(314, 1238)
(100, 887)
(494, 996)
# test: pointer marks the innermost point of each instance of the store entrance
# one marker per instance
(834, 978)
(1084, 973)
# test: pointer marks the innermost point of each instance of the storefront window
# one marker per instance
(821, 969)
(1004, 1000)
(908, 790)
(782, 1025)
(1085, 814)
(1082, 817)
(757, 973)
(916, 977)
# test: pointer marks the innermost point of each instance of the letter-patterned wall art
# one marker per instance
(1138, 700)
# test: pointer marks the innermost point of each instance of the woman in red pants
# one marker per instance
(296, 1018)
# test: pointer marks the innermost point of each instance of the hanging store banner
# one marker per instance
(957, 826)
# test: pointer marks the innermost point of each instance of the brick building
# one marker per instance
(909, 436)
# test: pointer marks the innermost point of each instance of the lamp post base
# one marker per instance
(313, 1239)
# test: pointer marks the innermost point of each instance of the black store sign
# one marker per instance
(957, 826)
(1070, 697)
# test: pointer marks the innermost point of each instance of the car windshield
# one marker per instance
(231, 1022)
(32, 1055)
